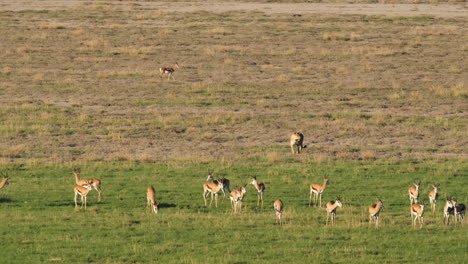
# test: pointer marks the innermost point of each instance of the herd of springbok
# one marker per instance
(213, 187)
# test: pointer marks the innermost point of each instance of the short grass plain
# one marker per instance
(381, 100)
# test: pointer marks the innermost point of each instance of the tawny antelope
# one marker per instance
(95, 183)
(260, 186)
(152, 205)
(417, 211)
(237, 195)
(433, 195)
(449, 209)
(331, 209)
(169, 71)
(279, 207)
(226, 183)
(317, 190)
(374, 212)
(4, 181)
(212, 187)
(413, 192)
(297, 142)
(83, 192)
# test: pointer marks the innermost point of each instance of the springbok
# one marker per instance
(374, 212)
(95, 183)
(279, 207)
(433, 195)
(331, 209)
(237, 195)
(83, 192)
(4, 181)
(212, 187)
(317, 190)
(417, 211)
(449, 209)
(260, 186)
(226, 183)
(297, 142)
(151, 201)
(459, 211)
(169, 71)
(414, 193)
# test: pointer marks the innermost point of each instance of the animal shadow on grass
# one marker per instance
(166, 205)
(6, 200)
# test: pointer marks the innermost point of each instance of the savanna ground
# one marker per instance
(382, 101)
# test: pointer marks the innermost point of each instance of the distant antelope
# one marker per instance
(95, 183)
(236, 197)
(433, 195)
(169, 71)
(331, 209)
(414, 193)
(449, 209)
(4, 181)
(459, 211)
(374, 212)
(151, 201)
(279, 207)
(226, 183)
(83, 192)
(260, 186)
(212, 187)
(297, 142)
(417, 211)
(317, 190)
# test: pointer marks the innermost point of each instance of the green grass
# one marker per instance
(41, 225)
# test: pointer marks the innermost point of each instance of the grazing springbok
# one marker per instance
(374, 212)
(95, 183)
(331, 209)
(279, 207)
(212, 187)
(417, 211)
(433, 196)
(226, 183)
(82, 191)
(449, 209)
(260, 186)
(152, 205)
(237, 195)
(317, 190)
(459, 211)
(297, 142)
(169, 71)
(4, 181)
(413, 192)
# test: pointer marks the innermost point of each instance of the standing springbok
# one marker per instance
(212, 187)
(317, 190)
(449, 209)
(433, 196)
(279, 207)
(226, 183)
(297, 142)
(260, 186)
(374, 212)
(83, 192)
(95, 183)
(417, 211)
(331, 209)
(237, 195)
(4, 181)
(169, 71)
(413, 192)
(152, 205)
